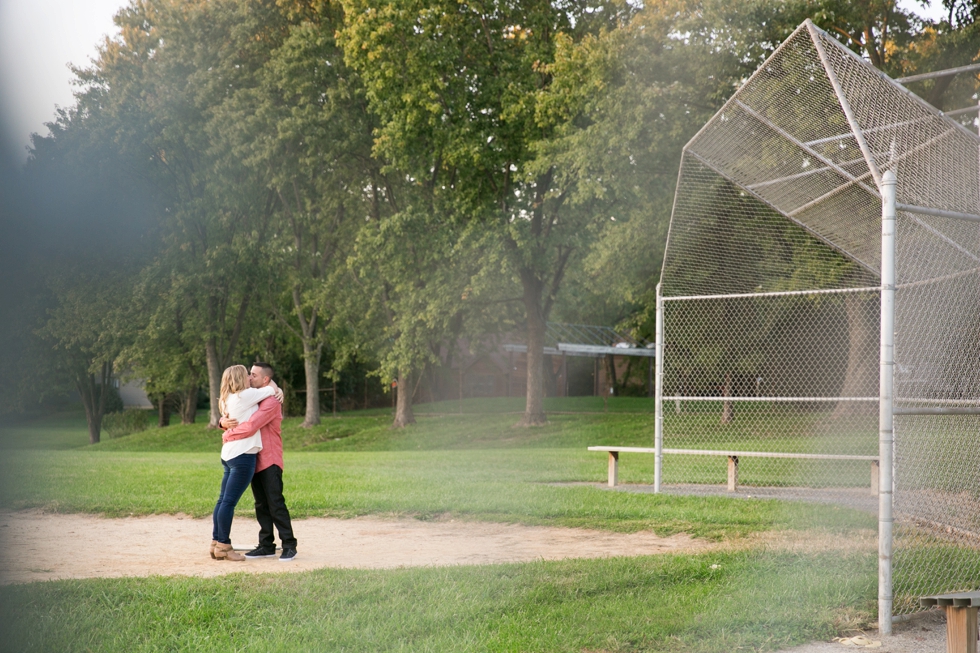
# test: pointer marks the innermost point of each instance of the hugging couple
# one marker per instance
(251, 453)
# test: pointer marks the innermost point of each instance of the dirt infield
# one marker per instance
(50, 546)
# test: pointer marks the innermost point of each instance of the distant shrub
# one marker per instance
(113, 402)
(126, 422)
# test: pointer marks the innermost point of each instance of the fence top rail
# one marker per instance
(768, 454)
(939, 213)
(782, 293)
(936, 411)
(938, 73)
(968, 403)
(773, 399)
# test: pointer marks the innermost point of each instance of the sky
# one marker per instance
(38, 38)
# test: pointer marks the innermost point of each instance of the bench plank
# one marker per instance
(733, 457)
(747, 454)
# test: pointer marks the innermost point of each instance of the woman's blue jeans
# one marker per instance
(238, 476)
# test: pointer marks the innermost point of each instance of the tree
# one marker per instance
(88, 329)
(420, 282)
(304, 130)
(161, 82)
(456, 88)
(165, 352)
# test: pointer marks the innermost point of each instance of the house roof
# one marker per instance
(588, 340)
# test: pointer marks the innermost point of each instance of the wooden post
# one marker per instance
(614, 470)
(961, 629)
(732, 473)
(875, 476)
(961, 619)
(649, 377)
(595, 377)
(564, 374)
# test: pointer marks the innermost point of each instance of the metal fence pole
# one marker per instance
(886, 435)
(658, 428)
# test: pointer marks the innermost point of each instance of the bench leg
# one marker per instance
(613, 468)
(732, 473)
(961, 630)
(875, 475)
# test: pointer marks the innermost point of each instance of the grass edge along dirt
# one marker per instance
(510, 486)
(503, 483)
(694, 603)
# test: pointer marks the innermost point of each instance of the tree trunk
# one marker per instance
(550, 377)
(94, 426)
(534, 408)
(611, 362)
(861, 375)
(93, 399)
(163, 411)
(92, 416)
(214, 381)
(311, 363)
(218, 359)
(188, 409)
(403, 403)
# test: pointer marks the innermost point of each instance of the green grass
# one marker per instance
(471, 466)
(705, 603)
(64, 430)
(474, 466)
(494, 485)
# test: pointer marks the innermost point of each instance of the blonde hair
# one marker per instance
(233, 380)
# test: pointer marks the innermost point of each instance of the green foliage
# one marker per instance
(126, 422)
(86, 332)
(365, 184)
(113, 401)
(461, 92)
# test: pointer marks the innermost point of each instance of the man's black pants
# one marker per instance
(270, 508)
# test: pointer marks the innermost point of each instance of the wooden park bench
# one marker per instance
(733, 458)
(961, 619)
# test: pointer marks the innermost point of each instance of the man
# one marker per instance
(270, 506)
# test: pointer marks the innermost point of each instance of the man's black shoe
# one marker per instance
(287, 555)
(260, 552)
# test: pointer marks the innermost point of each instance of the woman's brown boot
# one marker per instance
(211, 550)
(226, 552)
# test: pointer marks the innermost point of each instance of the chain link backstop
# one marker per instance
(776, 298)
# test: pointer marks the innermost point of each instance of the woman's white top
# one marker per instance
(240, 406)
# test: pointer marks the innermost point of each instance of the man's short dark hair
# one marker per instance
(266, 369)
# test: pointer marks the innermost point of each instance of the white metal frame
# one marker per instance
(886, 433)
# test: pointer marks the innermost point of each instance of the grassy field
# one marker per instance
(475, 465)
(708, 603)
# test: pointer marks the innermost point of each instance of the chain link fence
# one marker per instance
(771, 304)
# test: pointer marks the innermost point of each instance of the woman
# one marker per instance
(238, 401)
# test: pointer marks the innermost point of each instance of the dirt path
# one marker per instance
(40, 546)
